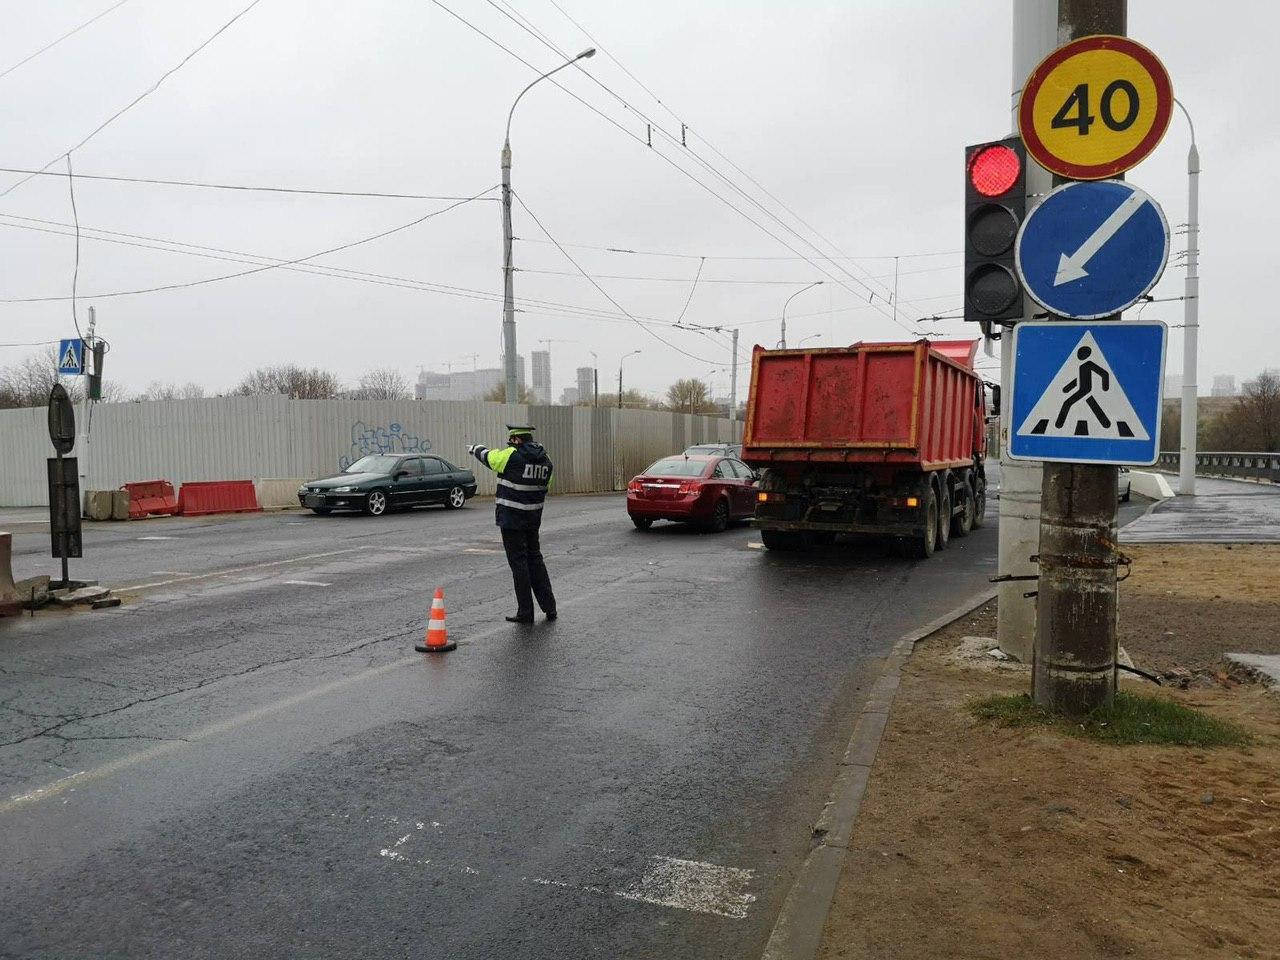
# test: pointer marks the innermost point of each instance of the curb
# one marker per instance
(797, 933)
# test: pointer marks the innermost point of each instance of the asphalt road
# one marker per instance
(1222, 511)
(249, 760)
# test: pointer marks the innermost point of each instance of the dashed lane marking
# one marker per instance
(157, 538)
(251, 566)
(171, 573)
(305, 583)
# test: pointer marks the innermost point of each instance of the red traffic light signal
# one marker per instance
(995, 204)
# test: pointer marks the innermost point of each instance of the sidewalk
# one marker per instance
(976, 840)
(24, 519)
(1222, 511)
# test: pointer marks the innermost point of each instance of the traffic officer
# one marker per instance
(524, 474)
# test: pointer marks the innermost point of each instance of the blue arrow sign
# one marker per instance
(1091, 250)
(1086, 392)
(71, 357)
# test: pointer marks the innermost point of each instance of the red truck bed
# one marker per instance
(908, 404)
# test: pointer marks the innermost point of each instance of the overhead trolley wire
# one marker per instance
(70, 33)
(241, 187)
(139, 98)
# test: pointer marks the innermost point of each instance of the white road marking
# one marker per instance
(157, 538)
(755, 546)
(305, 583)
(57, 787)
(252, 566)
(693, 885)
(480, 550)
(170, 573)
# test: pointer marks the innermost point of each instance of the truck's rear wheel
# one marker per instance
(962, 522)
(923, 546)
(780, 539)
(944, 516)
(979, 502)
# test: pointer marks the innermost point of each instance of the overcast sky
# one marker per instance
(852, 113)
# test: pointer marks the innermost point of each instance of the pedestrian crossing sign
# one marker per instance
(1086, 392)
(71, 357)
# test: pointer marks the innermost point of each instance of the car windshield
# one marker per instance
(375, 463)
(677, 467)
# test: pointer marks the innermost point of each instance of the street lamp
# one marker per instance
(624, 356)
(508, 298)
(1190, 321)
(816, 336)
(595, 379)
(782, 343)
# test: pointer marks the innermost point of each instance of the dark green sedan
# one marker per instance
(381, 482)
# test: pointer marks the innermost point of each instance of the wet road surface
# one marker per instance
(1223, 511)
(248, 758)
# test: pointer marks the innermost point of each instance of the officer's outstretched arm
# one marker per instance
(495, 460)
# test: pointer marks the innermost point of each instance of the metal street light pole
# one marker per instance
(508, 290)
(782, 343)
(815, 336)
(623, 357)
(595, 379)
(1190, 322)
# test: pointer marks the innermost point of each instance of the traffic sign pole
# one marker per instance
(1074, 667)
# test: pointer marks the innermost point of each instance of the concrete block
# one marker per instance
(119, 504)
(1151, 485)
(10, 599)
(98, 504)
(34, 591)
(69, 598)
(278, 493)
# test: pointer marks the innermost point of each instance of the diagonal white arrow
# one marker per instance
(1072, 267)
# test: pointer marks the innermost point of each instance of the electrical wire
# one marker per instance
(65, 36)
(524, 206)
(241, 187)
(269, 266)
(684, 126)
(699, 256)
(140, 97)
(887, 314)
(624, 276)
(689, 299)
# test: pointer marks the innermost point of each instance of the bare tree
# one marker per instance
(300, 383)
(1253, 422)
(28, 382)
(689, 396)
(498, 394)
(385, 383)
(168, 390)
(631, 400)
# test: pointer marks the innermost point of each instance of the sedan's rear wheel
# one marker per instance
(457, 497)
(719, 521)
(375, 504)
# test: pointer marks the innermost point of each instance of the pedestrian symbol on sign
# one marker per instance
(1084, 399)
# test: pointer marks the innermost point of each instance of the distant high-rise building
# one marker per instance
(586, 384)
(463, 384)
(541, 385)
(569, 396)
(1224, 385)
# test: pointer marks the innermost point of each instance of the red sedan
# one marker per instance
(707, 490)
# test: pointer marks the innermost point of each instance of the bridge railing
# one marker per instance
(1229, 463)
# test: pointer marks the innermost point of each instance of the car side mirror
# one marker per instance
(995, 400)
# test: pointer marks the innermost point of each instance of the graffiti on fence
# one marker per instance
(391, 439)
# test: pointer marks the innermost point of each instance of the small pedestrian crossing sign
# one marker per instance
(71, 357)
(1086, 392)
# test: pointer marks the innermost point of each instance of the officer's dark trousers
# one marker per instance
(528, 571)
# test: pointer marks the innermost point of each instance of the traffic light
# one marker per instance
(95, 378)
(995, 202)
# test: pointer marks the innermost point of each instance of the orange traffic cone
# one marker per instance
(437, 639)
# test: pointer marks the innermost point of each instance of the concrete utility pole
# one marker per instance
(1074, 667)
(733, 389)
(512, 387)
(595, 379)
(623, 357)
(1190, 322)
(1035, 36)
(82, 441)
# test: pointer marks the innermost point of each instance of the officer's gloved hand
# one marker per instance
(473, 448)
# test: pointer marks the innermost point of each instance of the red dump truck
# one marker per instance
(887, 439)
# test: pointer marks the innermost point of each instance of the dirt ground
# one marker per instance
(975, 841)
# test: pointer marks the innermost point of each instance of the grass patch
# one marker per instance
(1131, 719)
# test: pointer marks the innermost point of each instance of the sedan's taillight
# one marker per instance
(634, 486)
(690, 486)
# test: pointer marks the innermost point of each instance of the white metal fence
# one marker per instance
(246, 438)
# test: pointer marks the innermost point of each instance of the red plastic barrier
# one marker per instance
(151, 497)
(217, 496)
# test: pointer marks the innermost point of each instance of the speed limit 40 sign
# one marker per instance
(1095, 107)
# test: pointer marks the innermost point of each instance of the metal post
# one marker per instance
(512, 388)
(619, 384)
(782, 343)
(82, 440)
(1035, 31)
(1190, 326)
(733, 389)
(1074, 667)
